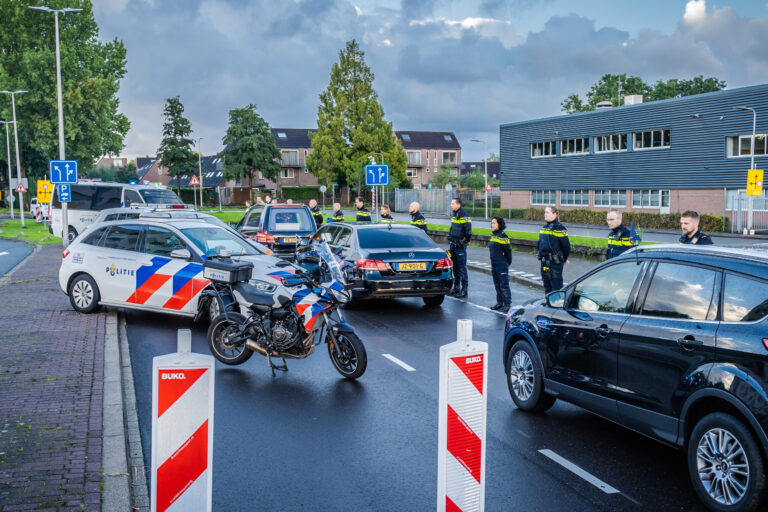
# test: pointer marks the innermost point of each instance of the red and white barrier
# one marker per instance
(182, 429)
(462, 423)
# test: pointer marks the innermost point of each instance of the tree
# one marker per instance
(351, 126)
(175, 151)
(91, 71)
(613, 87)
(493, 157)
(444, 176)
(249, 146)
(127, 172)
(476, 180)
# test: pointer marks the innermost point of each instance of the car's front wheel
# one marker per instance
(525, 379)
(71, 234)
(433, 301)
(725, 464)
(84, 294)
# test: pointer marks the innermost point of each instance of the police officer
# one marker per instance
(338, 215)
(554, 247)
(459, 237)
(386, 214)
(619, 237)
(316, 213)
(501, 259)
(417, 219)
(689, 222)
(363, 213)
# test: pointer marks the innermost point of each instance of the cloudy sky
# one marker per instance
(458, 65)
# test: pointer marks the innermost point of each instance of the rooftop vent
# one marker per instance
(633, 99)
(604, 104)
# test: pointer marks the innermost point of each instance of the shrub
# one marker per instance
(301, 193)
(642, 220)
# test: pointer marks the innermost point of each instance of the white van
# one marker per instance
(90, 198)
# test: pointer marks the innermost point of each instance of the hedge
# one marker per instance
(671, 221)
(301, 193)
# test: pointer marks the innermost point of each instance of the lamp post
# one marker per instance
(18, 162)
(752, 161)
(8, 149)
(67, 10)
(485, 163)
(200, 170)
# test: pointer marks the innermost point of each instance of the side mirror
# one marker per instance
(233, 225)
(182, 254)
(556, 299)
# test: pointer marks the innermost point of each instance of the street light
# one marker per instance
(66, 10)
(752, 160)
(485, 162)
(18, 161)
(200, 171)
(8, 148)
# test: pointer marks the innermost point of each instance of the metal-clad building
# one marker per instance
(671, 155)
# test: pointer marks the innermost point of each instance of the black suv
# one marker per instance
(278, 226)
(669, 341)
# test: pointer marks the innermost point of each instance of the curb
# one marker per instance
(515, 276)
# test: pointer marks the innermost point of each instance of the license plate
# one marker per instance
(413, 266)
(289, 240)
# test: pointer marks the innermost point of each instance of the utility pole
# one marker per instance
(751, 163)
(8, 149)
(200, 171)
(18, 162)
(485, 162)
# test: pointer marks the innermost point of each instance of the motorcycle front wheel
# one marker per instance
(352, 360)
(221, 348)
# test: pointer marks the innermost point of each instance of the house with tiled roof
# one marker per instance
(427, 152)
(494, 168)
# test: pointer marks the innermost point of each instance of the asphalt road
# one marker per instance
(310, 440)
(11, 253)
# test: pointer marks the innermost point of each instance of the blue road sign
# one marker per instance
(62, 171)
(65, 193)
(376, 175)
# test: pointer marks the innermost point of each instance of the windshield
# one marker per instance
(160, 196)
(394, 239)
(213, 240)
(324, 252)
(290, 220)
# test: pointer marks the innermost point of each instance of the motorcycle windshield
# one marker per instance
(324, 252)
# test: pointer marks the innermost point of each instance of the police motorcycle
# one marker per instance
(282, 315)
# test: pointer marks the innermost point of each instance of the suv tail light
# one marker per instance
(66, 253)
(178, 207)
(265, 238)
(366, 264)
(444, 263)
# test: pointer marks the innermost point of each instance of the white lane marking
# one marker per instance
(573, 468)
(400, 363)
(478, 306)
(523, 434)
(4, 253)
(517, 272)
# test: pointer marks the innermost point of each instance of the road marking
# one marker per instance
(4, 253)
(573, 468)
(400, 363)
(478, 306)
(523, 434)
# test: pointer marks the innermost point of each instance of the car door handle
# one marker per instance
(689, 342)
(603, 331)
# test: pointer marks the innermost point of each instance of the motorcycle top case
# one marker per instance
(227, 270)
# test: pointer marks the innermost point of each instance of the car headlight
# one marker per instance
(263, 286)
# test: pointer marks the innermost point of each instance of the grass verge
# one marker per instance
(33, 232)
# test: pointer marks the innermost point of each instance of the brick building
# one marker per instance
(426, 152)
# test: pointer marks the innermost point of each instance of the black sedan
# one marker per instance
(387, 260)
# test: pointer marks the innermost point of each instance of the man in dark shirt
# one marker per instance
(316, 213)
(689, 223)
(619, 237)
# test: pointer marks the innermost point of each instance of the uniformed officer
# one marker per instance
(501, 259)
(619, 237)
(689, 222)
(417, 219)
(338, 215)
(316, 213)
(554, 247)
(459, 237)
(386, 214)
(363, 213)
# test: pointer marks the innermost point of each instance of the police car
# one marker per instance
(154, 265)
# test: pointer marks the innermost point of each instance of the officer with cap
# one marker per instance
(554, 247)
(619, 239)
(459, 237)
(689, 222)
(363, 213)
(417, 219)
(316, 213)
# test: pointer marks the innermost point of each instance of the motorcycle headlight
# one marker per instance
(263, 286)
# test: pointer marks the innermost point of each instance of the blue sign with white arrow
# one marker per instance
(376, 175)
(65, 193)
(62, 171)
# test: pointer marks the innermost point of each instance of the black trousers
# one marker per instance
(500, 272)
(459, 259)
(551, 276)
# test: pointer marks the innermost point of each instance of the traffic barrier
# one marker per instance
(462, 423)
(182, 429)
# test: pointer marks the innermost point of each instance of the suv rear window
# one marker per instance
(160, 196)
(394, 239)
(681, 291)
(291, 220)
(92, 197)
(745, 299)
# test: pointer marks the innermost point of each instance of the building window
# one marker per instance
(650, 198)
(542, 149)
(159, 172)
(414, 157)
(448, 138)
(614, 142)
(575, 146)
(281, 135)
(449, 157)
(306, 171)
(261, 176)
(652, 139)
(574, 197)
(543, 197)
(406, 137)
(741, 145)
(290, 157)
(286, 173)
(411, 173)
(610, 198)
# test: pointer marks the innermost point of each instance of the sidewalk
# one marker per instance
(51, 376)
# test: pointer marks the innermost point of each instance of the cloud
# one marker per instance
(695, 11)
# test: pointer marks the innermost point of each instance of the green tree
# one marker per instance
(444, 176)
(476, 180)
(493, 157)
(175, 151)
(351, 126)
(91, 71)
(249, 146)
(126, 173)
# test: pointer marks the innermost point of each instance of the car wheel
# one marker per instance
(434, 301)
(725, 464)
(71, 234)
(84, 294)
(524, 379)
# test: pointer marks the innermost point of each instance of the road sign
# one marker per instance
(194, 181)
(376, 175)
(21, 188)
(62, 171)
(755, 182)
(429, 186)
(65, 193)
(15, 183)
(323, 188)
(448, 187)
(44, 191)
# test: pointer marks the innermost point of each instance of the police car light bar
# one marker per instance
(162, 206)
